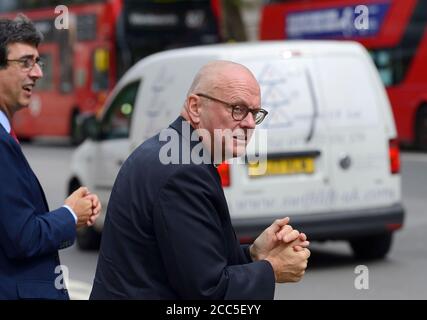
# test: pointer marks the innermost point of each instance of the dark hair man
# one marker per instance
(30, 235)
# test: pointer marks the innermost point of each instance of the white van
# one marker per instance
(331, 140)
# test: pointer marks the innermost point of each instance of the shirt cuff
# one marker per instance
(71, 211)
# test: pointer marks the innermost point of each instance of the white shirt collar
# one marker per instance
(4, 121)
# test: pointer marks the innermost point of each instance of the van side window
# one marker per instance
(117, 120)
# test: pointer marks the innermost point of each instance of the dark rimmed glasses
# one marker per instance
(28, 63)
(239, 112)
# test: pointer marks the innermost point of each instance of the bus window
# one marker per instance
(392, 63)
(81, 76)
(100, 63)
(86, 27)
(117, 120)
(382, 60)
(64, 40)
(46, 82)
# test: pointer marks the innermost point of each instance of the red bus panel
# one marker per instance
(396, 37)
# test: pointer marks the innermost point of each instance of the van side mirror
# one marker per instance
(91, 127)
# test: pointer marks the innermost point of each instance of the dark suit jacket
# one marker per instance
(168, 235)
(30, 236)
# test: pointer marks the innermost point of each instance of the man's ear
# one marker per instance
(194, 108)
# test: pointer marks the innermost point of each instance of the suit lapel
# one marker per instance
(18, 146)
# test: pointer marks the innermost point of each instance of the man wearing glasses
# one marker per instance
(30, 235)
(168, 233)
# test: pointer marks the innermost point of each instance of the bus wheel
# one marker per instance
(76, 133)
(421, 128)
(372, 247)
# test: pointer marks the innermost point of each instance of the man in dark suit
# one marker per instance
(30, 235)
(168, 232)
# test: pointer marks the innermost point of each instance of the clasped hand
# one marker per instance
(85, 205)
(285, 248)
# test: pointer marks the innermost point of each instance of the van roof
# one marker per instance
(222, 51)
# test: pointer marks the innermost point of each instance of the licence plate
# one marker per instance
(288, 166)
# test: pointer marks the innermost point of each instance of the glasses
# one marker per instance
(27, 64)
(239, 112)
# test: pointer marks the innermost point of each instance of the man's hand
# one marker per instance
(287, 234)
(81, 205)
(96, 209)
(274, 235)
(288, 265)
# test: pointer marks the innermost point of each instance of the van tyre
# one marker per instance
(372, 247)
(421, 128)
(88, 238)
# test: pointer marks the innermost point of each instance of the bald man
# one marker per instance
(168, 233)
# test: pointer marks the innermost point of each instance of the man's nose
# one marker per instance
(36, 72)
(248, 121)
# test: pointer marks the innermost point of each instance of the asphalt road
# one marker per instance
(331, 272)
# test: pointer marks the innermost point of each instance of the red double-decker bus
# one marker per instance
(395, 33)
(102, 40)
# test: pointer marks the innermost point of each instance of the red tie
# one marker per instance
(13, 134)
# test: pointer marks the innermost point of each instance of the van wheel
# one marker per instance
(88, 238)
(421, 128)
(372, 247)
(76, 133)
